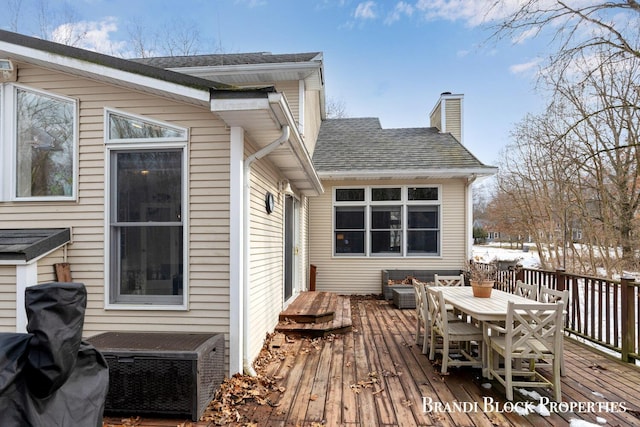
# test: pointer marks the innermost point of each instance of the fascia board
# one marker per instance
(239, 104)
(408, 174)
(279, 103)
(248, 68)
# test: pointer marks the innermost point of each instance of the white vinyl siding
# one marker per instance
(266, 293)
(361, 275)
(312, 119)
(46, 270)
(291, 91)
(208, 200)
(454, 117)
(7, 298)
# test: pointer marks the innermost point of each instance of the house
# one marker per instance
(393, 199)
(182, 191)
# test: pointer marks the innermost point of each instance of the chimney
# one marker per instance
(447, 115)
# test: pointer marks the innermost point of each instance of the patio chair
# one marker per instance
(440, 280)
(526, 290)
(424, 318)
(450, 332)
(548, 295)
(421, 310)
(532, 332)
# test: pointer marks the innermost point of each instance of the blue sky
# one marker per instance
(383, 58)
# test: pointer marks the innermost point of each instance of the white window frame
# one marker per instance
(403, 203)
(8, 144)
(150, 144)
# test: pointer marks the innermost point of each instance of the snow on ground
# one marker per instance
(492, 252)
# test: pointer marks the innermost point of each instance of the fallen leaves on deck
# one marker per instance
(261, 389)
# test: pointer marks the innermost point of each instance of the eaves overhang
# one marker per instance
(311, 72)
(466, 173)
(262, 114)
(21, 246)
(105, 68)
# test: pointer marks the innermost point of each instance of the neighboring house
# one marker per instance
(394, 199)
(188, 201)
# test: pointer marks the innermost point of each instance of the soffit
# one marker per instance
(262, 120)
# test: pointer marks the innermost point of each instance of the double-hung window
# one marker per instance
(38, 143)
(146, 232)
(387, 221)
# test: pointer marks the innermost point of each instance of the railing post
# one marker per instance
(519, 273)
(628, 326)
(561, 279)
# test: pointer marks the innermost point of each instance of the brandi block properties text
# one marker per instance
(488, 404)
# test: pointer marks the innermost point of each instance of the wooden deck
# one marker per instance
(375, 375)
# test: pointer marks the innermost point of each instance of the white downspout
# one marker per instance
(469, 214)
(246, 219)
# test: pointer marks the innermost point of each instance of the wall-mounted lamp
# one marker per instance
(284, 186)
(8, 72)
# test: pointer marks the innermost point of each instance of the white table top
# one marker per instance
(483, 309)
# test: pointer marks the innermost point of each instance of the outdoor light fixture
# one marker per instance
(8, 71)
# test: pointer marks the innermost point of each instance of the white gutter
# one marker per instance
(246, 219)
(410, 173)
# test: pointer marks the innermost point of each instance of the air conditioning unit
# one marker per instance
(8, 72)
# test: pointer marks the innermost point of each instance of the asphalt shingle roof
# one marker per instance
(362, 144)
(29, 243)
(110, 61)
(225, 59)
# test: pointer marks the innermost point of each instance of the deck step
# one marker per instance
(311, 307)
(339, 322)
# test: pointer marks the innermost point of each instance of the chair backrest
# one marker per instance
(549, 295)
(437, 309)
(439, 280)
(526, 290)
(421, 302)
(534, 330)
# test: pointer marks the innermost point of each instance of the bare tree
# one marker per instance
(577, 27)
(336, 109)
(55, 24)
(13, 10)
(574, 171)
(143, 44)
(175, 38)
(181, 38)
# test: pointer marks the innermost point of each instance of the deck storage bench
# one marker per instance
(405, 275)
(172, 374)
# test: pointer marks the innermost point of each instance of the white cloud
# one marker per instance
(90, 35)
(524, 67)
(365, 10)
(401, 9)
(473, 12)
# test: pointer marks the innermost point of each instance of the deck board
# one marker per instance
(328, 381)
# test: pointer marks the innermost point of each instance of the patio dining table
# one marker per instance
(483, 310)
